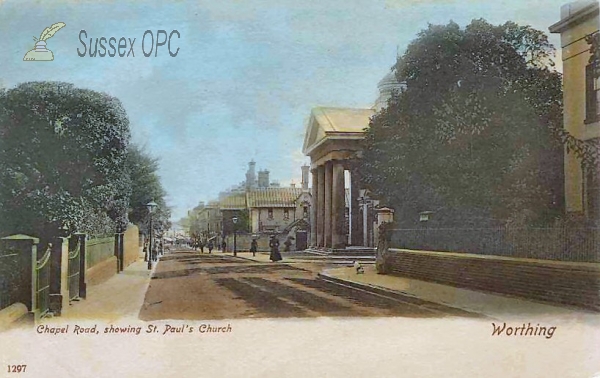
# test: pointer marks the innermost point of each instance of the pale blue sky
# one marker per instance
(246, 76)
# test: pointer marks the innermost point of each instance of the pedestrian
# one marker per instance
(201, 246)
(286, 245)
(253, 247)
(210, 246)
(223, 246)
(155, 251)
(274, 244)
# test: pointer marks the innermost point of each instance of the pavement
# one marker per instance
(491, 305)
(122, 296)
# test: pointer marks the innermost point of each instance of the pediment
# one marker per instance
(335, 123)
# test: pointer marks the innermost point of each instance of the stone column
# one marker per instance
(22, 264)
(327, 229)
(356, 231)
(313, 208)
(338, 207)
(320, 206)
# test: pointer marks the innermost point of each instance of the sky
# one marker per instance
(245, 77)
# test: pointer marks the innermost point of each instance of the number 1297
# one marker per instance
(16, 368)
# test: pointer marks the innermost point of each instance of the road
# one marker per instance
(191, 285)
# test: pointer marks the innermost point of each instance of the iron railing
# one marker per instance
(10, 277)
(560, 243)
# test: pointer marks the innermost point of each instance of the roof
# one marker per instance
(213, 205)
(235, 201)
(343, 119)
(574, 13)
(335, 123)
(273, 197)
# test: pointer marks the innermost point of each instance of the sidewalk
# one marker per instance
(487, 304)
(120, 297)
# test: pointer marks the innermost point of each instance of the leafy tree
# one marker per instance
(146, 187)
(62, 159)
(473, 137)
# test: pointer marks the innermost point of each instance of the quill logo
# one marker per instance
(40, 53)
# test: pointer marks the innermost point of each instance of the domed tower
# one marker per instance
(387, 86)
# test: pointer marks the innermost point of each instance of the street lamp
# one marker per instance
(151, 208)
(235, 220)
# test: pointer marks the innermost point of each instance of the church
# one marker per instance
(342, 213)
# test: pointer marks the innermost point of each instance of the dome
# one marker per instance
(388, 85)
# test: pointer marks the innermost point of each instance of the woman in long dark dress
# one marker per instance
(275, 255)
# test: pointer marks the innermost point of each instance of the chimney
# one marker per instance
(250, 175)
(263, 179)
(305, 171)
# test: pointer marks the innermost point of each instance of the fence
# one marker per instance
(564, 244)
(12, 279)
(99, 250)
(42, 271)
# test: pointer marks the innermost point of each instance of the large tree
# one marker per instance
(62, 159)
(474, 136)
(145, 187)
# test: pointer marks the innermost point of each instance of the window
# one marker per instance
(286, 214)
(270, 213)
(592, 95)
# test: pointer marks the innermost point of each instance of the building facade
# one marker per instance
(581, 94)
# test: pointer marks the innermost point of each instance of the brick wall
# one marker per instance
(131, 245)
(576, 284)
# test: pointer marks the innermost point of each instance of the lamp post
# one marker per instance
(234, 220)
(151, 208)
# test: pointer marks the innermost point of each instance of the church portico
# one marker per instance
(333, 143)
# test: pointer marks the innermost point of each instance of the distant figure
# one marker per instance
(201, 246)
(210, 246)
(253, 247)
(358, 267)
(223, 246)
(155, 251)
(286, 245)
(274, 244)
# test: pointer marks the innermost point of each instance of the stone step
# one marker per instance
(352, 251)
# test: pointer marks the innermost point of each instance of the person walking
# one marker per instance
(274, 244)
(210, 246)
(201, 244)
(223, 246)
(253, 247)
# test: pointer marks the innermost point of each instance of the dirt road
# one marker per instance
(191, 285)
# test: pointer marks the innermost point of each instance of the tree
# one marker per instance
(145, 187)
(473, 136)
(62, 159)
